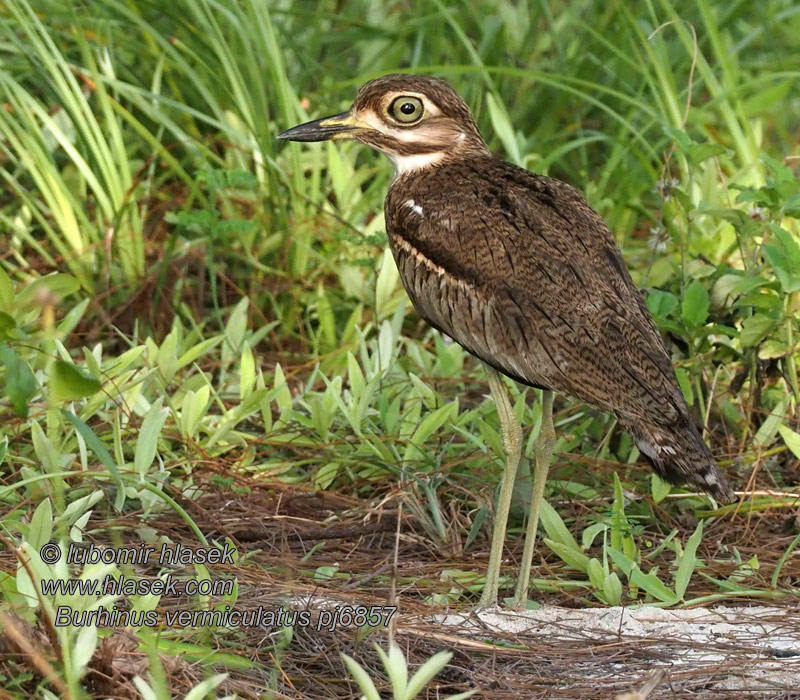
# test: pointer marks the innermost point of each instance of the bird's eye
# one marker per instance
(406, 109)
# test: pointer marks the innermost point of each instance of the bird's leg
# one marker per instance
(543, 453)
(512, 441)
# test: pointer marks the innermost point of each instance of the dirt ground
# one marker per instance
(301, 550)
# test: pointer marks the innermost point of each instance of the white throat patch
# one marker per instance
(407, 164)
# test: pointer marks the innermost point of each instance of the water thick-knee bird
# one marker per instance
(523, 273)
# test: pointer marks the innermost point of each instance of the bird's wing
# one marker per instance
(525, 275)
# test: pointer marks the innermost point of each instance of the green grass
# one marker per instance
(188, 306)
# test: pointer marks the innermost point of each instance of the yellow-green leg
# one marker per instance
(512, 441)
(543, 454)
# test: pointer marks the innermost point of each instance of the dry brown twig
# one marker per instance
(32, 656)
(644, 692)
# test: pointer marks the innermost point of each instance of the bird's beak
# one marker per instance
(338, 126)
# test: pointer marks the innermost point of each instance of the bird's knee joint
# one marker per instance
(513, 439)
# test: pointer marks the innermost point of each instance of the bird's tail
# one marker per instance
(679, 455)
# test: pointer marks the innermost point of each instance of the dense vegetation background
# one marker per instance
(200, 325)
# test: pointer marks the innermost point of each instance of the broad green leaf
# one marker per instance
(144, 689)
(283, 396)
(68, 382)
(572, 557)
(555, 528)
(698, 152)
(612, 589)
(6, 291)
(680, 137)
(7, 322)
(20, 382)
(235, 331)
(420, 388)
(426, 672)
(694, 307)
(117, 365)
(772, 349)
(385, 284)
(167, 355)
(77, 528)
(659, 489)
(243, 410)
(791, 438)
(78, 507)
(769, 428)
(688, 562)
(387, 346)
(650, 583)
(205, 687)
(41, 527)
(596, 573)
(431, 423)
(396, 668)
(48, 455)
(327, 321)
(100, 450)
(58, 283)
(783, 252)
(197, 350)
(685, 383)
(620, 535)
(661, 304)
(355, 376)
(326, 474)
(791, 207)
(247, 372)
(361, 677)
(149, 433)
(744, 224)
(755, 328)
(71, 319)
(591, 532)
(728, 287)
(193, 409)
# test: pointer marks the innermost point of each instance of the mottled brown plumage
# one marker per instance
(520, 270)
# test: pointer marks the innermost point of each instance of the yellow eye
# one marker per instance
(407, 109)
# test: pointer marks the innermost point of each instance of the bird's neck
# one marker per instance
(405, 164)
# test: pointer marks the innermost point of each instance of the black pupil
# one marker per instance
(408, 108)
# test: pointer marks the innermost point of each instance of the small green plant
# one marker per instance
(403, 687)
(622, 556)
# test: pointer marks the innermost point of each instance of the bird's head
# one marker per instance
(416, 120)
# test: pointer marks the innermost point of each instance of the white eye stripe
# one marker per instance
(402, 134)
(430, 108)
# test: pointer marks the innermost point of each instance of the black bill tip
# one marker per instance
(320, 129)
